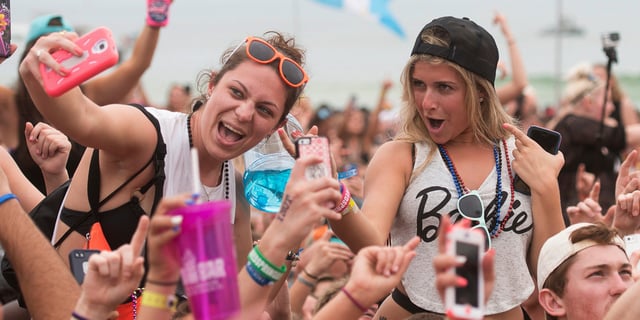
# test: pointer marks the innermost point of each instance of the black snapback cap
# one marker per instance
(471, 47)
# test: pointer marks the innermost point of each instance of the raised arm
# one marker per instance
(49, 289)
(512, 89)
(387, 176)
(118, 129)
(539, 169)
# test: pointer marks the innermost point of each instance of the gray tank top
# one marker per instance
(430, 195)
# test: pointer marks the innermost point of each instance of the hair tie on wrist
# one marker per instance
(354, 301)
(310, 275)
(76, 316)
(7, 197)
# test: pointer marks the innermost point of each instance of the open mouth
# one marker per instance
(435, 123)
(229, 133)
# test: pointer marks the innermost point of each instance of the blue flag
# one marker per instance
(377, 10)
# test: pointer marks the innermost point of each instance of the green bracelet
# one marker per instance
(265, 266)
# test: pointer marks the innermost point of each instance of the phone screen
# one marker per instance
(469, 270)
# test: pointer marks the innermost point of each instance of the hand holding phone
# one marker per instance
(79, 262)
(99, 53)
(466, 302)
(549, 140)
(307, 146)
(5, 29)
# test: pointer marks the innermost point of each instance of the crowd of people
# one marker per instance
(369, 242)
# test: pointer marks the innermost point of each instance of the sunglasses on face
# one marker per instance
(261, 51)
(471, 207)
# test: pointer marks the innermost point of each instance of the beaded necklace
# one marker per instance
(499, 224)
(225, 166)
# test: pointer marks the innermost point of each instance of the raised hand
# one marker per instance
(112, 276)
(48, 147)
(587, 210)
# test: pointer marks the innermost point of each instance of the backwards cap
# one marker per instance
(471, 47)
(558, 248)
(46, 24)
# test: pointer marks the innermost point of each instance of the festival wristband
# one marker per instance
(265, 266)
(348, 173)
(257, 276)
(7, 197)
(159, 300)
(158, 13)
(346, 204)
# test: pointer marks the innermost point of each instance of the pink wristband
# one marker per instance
(344, 201)
(158, 13)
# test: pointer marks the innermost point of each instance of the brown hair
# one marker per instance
(231, 59)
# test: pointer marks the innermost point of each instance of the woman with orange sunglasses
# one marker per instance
(245, 100)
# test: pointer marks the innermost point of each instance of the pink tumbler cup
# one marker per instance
(207, 253)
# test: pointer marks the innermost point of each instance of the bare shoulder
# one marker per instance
(393, 158)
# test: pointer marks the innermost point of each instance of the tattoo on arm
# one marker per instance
(286, 203)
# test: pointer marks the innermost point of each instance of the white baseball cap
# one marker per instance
(558, 248)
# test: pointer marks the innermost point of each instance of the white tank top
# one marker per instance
(177, 167)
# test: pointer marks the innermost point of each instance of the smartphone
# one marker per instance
(466, 302)
(306, 146)
(99, 53)
(5, 29)
(549, 140)
(79, 262)
(632, 243)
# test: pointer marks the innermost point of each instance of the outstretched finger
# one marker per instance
(594, 194)
(137, 240)
(628, 162)
(516, 132)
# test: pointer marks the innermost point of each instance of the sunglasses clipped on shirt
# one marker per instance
(471, 207)
(263, 52)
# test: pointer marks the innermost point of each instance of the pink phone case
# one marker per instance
(315, 146)
(100, 53)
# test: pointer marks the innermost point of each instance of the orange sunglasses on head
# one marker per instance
(261, 51)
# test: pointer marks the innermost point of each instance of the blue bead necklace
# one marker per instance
(498, 225)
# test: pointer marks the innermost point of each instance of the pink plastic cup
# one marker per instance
(208, 257)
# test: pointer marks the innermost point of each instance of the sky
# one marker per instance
(346, 54)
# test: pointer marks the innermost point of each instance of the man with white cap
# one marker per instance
(582, 271)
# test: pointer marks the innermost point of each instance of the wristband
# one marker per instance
(354, 301)
(306, 282)
(265, 266)
(344, 200)
(7, 197)
(257, 276)
(310, 275)
(159, 300)
(158, 13)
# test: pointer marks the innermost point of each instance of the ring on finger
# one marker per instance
(63, 32)
(38, 53)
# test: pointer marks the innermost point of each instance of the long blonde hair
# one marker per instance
(485, 116)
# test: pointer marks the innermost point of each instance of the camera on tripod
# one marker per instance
(610, 40)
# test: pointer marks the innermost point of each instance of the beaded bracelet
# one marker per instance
(7, 197)
(354, 301)
(265, 266)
